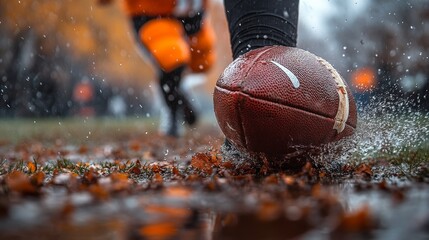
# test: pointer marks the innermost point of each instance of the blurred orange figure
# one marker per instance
(177, 36)
(83, 94)
(364, 79)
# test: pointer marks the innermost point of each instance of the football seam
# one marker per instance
(259, 55)
(243, 137)
(277, 103)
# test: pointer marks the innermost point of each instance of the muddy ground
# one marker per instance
(119, 179)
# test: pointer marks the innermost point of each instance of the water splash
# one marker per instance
(385, 128)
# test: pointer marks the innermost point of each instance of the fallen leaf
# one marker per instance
(365, 171)
(269, 210)
(99, 192)
(37, 179)
(162, 230)
(157, 178)
(31, 167)
(204, 163)
(135, 145)
(178, 192)
(357, 221)
(18, 181)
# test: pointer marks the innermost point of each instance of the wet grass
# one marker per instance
(127, 172)
(73, 129)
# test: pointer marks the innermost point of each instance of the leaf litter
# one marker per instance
(154, 187)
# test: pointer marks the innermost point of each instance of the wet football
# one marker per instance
(274, 98)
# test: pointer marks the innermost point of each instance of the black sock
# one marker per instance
(259, 23)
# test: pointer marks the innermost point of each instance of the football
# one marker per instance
(275, 98)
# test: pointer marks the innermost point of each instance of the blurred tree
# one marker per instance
(393, 38)
(49, 45)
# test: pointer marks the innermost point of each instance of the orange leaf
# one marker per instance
(158, 230)
(19, 182)
(135, 146)
(98, 192)
(90, 177)
(176, 171)
(170, 212)
(356, 221)
(135, 170)
(83, 149)
(157, 178)
(272, 179)
(119, 176)
(31, 167)
(155, 168)
(178, 192)
(38, 178)
(203, 162)
(119, 181)
(269, 210)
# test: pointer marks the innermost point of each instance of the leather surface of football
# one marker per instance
(274, 98)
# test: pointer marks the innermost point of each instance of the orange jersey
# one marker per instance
(178, 8)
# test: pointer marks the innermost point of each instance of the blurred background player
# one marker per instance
(177, 37)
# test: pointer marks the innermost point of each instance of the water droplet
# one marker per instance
(286, 14)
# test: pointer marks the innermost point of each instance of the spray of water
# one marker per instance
(387, 129)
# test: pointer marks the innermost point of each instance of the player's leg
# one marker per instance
(201, 41)
(164, 40)
(201, 38)
(258, 23)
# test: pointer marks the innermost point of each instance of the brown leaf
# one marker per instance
(176, 171)
(157, 178)
(155, 168)
(37, 179)
(271, 179)
(228, 165)
(99, 192)
(364, 170)
(67, 210)
(17, 181)
(135, 145)
(203, 162)
(83, 149)
(119, 181)
(288, 180)
(357, 221)
(135, 170)
(398, 195)
(269, 210)
(90, 177)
